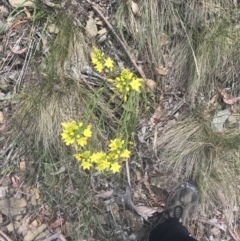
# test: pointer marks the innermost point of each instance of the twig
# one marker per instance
(5, 236)
(56, 235)
(95, 8)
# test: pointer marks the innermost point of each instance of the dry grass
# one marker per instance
(212, 160)
(203, 48)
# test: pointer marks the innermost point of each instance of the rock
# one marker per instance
(219, 120)
(13, 207)
(232, 121)
(12, 227)
(32, 234)
(21, 3)
(91, 28)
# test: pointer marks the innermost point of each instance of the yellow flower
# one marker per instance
(69, 130)
(116, 144)
(94, 60)
(82, 141)
(99, 67)
(78, 157)
(110, 80)
(109, 63)
(136, 84)
(97, 157)
(84, 156)
(86, 165)
(126, 74)
(87, 132)
(125, 154)
(103, 165)
(115, 167)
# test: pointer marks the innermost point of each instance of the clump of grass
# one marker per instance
(203, 41)
(211, 159)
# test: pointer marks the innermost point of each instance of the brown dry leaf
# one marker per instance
(145, 211)
(102, 31)
(150, 85)
(27, 13)
(37, 193)
(162, 70)
(16, 50)
(135, 9)
(35, 223)
(14, 183)
(158, 113)
(104, 194)
(228, 100)
(22, 165)
(57, 223)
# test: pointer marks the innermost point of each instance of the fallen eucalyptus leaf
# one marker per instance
(104, 194)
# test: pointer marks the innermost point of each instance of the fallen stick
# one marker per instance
(95, 8)
(5, 236)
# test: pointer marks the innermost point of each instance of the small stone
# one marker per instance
(12, 227)
(32, 234)
(232, 121)
(91, 28)
(219, 120)
(21, 3)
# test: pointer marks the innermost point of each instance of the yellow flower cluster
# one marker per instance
(105, 161)
(74, 132)
(127, 82)
(100, 62)
(78, 134)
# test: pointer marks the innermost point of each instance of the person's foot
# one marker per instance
(181, 203)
